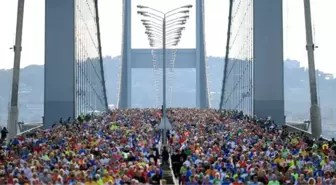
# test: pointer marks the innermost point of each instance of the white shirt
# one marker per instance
(187, 162)
(28, 173)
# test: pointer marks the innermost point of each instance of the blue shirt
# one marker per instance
(192, 183)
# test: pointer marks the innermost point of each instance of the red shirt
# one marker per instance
(130, 173)
(242, 164)
(237, 183)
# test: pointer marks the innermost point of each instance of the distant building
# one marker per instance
(292, 64)
(111, 106)
(329, 76)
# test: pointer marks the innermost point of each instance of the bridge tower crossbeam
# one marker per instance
(142, 58)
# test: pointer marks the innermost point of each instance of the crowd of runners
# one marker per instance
(120, 147)
(228, 148)
(207, 147)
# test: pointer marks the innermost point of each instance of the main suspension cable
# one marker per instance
(226, 61)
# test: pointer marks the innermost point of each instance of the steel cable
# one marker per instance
(237, 76)
(90, 82)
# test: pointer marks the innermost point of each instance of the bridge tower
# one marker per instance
(74, 81)
(142, 58)
(268, 65)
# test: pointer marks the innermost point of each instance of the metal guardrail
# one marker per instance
(292, 128)
(24, 133)
(176, 181)
(29, 131)
(301, 124)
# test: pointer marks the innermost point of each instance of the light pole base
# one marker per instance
(315, 119)
(12, 123)
(165, 125)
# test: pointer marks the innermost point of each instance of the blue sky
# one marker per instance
(216, 22)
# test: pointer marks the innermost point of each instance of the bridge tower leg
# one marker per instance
(202, 99)
(268, 69)
(125, 95)
(59, 69)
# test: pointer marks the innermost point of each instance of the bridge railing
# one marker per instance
(24, 133)
(291, 128)
(30, 131)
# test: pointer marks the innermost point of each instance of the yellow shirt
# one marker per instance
(303, 153)
(108, 178)
(208, 172)
(294, 141)
(91, 183)
(279, 160)
(323, 163)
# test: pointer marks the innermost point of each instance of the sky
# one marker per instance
(216, 13)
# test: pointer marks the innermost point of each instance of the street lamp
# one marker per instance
(13, 112)
(164, 29)
(315, 111)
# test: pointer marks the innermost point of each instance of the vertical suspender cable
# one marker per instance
(91, 88)
(155, 71)
(80, 59)
(77, 66)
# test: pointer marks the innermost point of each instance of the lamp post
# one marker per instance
(164, 29)
(315, 111)
(13, 112)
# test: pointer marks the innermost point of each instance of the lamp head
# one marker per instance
(187, 6)
(143, 13)
(184, 11)
(141, 6)
(153, 42)
(180, 28)
(149, 29)
(181, 20)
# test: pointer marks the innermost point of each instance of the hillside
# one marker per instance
(144, 90)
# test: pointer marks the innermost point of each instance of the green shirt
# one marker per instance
(183, 170)
(273, 183)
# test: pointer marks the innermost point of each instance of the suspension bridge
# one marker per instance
(74, 73)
